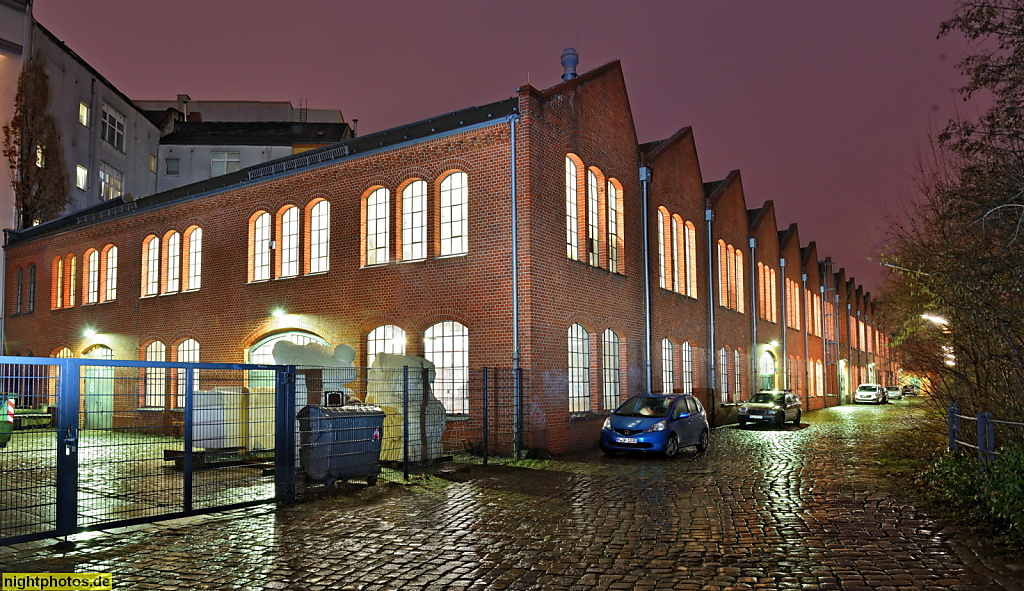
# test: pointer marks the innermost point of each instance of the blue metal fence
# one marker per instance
(985, 422)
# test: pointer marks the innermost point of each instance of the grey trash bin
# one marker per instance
(340, 442)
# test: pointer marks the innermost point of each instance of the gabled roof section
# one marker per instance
(255, 133)
(659, 147)
(420, 130)
(787, 235)
(713, 191)
(766, 211)
(809, 255)
(613, 65)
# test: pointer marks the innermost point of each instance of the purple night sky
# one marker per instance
(822, 106)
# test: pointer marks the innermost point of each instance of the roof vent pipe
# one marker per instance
(570, 59)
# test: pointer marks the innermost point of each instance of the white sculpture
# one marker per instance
(315, 356)
(426, 413)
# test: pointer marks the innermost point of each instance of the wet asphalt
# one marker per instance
(796, 508)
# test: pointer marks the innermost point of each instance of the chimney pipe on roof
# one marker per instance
(570, 59)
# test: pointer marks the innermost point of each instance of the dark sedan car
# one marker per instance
(773, 407)
(655, 423)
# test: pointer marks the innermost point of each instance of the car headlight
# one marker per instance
(659, 426)
(607, 424)
(743, 410)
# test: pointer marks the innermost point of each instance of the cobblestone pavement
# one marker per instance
(767, 509)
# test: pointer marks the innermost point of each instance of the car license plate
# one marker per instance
(757, 416)
(625, 440)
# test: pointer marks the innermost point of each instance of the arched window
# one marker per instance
(186, 352)
(686, 364)
(690, 256)
(150, 266)
(579, 369)
(63, 353)
(110, 279)
(32, 288)
(737, 372)
(261, 247)
(384, 339)
(172, 247)
(611, 372)
(156, 377)
(262, 353)
(593, 221)
(446, 345)
(675, 250)
(57, 292)
(819, 370)
(72, 280)
(737, 292)
(454, 212)
(572, 229)
(414, 221)
(92, 274)
(289, 247)
(668, 376)
(319, 237)
(377, 226)
(19, 287)
(614, 209)
(663, 248)
(766, 370)
(723, 372)
(194, 274)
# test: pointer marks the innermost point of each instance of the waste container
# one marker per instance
(6, 417)
(340, 442)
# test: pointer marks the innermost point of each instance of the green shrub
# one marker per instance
(993, 495)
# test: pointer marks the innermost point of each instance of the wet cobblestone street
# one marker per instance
(795, 508)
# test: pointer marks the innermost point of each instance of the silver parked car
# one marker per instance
(870, 394)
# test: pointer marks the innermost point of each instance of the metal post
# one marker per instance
(517, 385)
(405, 421)
(284, 434)
(186, 461)
(953, 426)
(67, 446)
(484, 414)
(986, 437)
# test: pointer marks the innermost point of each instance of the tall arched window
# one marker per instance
(186, 352)
(593, 221)
(614, 207)
(662, 248)
(194, 274)
(572, 229)
(18, 289)
(446, 345)
(766, 370)
(579, 369)
(110, 280)
(414, 221)
(151, 266)
(690, 254)
(32, 288)
(92, 273)
(57, 293)
(172, 244)
(675, 250)
(737, 372)
(263, 353)
(686, 364)
(72, 280)
(289, 247)
(668, 375)
(261, 228)
(320, 237)
(723, 372)
(377, 226)
(384, 339)
(737, 280)
(454, 213)
(610, 370)
(156, 377)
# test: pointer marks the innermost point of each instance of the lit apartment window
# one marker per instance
(84, 113)
(152, 163)
(414, 221)
(172, 248)
(151, 266)
(613, 228)
(611, 372)
(377, 227)
(195, 259)
(172, 166)
(111, 180)
(111, 281)
(668, 375)
(156, 377)
(572, 230)
(593, 220)
(446, 345)
(57, 296)
(224, 162)
(319, 237)
(261, 247)
(113, 127)
(454, 208)
(82, 177)
(384, 339)
(737, 369)
(92, 273)
(686, 364)
(579, 369)
(289, 252)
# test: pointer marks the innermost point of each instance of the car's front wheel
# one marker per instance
(672, 446)
(702, 445)
(780, 420)
(796, 421)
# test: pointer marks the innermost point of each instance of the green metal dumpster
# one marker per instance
(6, 417)
(340, 442)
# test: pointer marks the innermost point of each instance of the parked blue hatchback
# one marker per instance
(655, 423)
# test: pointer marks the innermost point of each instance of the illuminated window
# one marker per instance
(92, 273)
(57, 295)
(377, 227)
(151, 261)
(737, 371)
(81, 177)
(572, 231)
(72, 280)
(289, 251)
(611, 372)
(187, 352)
(668, 374)
(18, 289)
(111, 180)
(384, 339)
(261, 247)
(690, 258)
(32, 288)
(446, 345)
(194, 274)
(614, 207)
(111, 278)
(84, 114)
(156, 377)
(723, 372)
(579, 369)
(593, 221)
(662, 248)
(686, 363)
(414, 221)
(173, 274)
(454, 207)
(319, 237)
(676, 250)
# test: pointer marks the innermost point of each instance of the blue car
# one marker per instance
(655, 423)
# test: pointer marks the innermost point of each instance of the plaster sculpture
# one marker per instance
(426, 413)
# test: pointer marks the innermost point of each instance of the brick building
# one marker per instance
(533, 232)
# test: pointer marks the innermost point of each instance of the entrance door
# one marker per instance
(99, 390)
(766, 370)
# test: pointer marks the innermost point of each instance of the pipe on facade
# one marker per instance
(807, 352)
(784, 324)
(645, 179)
(754, 309)
(849, 344)
(709, 216)
(517, 376)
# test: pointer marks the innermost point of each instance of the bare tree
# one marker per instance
(33, 150)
